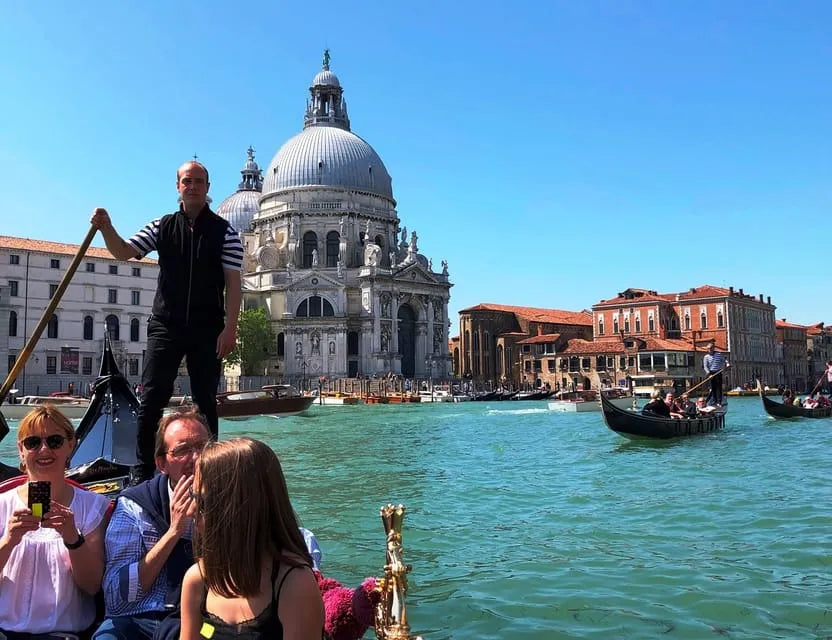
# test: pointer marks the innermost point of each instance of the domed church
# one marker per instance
(346, 287)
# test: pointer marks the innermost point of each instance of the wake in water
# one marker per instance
(515, 412)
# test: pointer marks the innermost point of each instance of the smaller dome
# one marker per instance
(326, 78)
(239, 209)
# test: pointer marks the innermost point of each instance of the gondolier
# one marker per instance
(196, 305)
(714, 364)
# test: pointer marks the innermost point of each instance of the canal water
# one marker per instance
(525, 523)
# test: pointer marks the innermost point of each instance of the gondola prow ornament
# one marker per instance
(391, 612)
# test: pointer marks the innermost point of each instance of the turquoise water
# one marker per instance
(525, 523)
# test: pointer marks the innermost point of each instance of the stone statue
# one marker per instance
(444, 267)
(385, 338)
(331, 348)
(372, 253)
(340, 267)
(392, 256)
(341, 223)
(314, 257)
(385, 306)
(430, 265)
(367, 231)
(326, 59)
(437, 339)
(404, 235)
(299, 348)
(316, 344)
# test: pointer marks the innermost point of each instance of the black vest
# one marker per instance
(191, 285)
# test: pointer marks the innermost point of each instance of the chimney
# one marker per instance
(761, 297)
(768, 299)
(730, 291)
(741, 293)
(540, 329)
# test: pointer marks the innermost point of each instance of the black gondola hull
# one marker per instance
(780, 410)
(630, 424)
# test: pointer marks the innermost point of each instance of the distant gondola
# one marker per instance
(631, 424)
(780, 410)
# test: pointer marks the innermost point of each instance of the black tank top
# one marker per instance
(265, 625)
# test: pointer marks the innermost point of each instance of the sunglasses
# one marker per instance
(33, 443)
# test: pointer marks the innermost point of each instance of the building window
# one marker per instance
(615, 325)
(11, 360)
(87, 327)
(687, 322)
(585, 364)
(600, 363)
(137, 272)
(52, 327)
(54, 263)
(314, 307)
(134, 366)
(14, 258)
(90, 267)
(703, 321)
(352, 343)
(51, 364)
(638, 325)
(631, 361)
(333, 240)
(600, 326)
(134, 298)
(134, 330)
(112, 296)
(113, 269)
(550, 365)
(622, 362)
(86, 366)
(12, 324)
(720, 321)
(13, 288)
(53, 288)
(310, 244)
(626, 325)
(651, 324)
(281, 344)
(111, 322)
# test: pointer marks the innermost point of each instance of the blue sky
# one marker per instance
(554, 153)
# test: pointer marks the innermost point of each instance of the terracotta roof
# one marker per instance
(815, 329)
(543, 338)
(578, 346)
(666, 344)
(694, 293)
(648, 296)
(553, 316)
(60, 248)
(782, 324)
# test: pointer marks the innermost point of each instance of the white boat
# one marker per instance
(581, 401)
(437, 394)
(71, 406)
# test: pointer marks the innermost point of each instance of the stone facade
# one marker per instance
(793, 338)
(346, 288)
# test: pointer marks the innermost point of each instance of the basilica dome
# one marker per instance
(240, 207)
(326, 153)
(328, 156)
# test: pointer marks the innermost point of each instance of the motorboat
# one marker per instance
(270, 400)
(73, 407)
(589, 400)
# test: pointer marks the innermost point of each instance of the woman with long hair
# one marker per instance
(52, 554)
(253, 577)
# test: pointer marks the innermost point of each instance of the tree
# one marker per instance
(255, 342)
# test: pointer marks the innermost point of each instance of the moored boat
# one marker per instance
(632, 424)
(73, 407)
(781, 411)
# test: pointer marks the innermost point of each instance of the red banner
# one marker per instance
(69, 360)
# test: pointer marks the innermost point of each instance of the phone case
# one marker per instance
(39, 497)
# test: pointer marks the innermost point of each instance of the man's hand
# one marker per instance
(226, 341)
(182, 506)
(101, 219)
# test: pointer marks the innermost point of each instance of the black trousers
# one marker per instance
(716, 389)
(166, 346)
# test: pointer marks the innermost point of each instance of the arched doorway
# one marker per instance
(407, 339)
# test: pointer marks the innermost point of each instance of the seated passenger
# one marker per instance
(260, 585)
(52, 555)
(686, 407)
(673, 405)
(148, 541)
(702, 406)
(788, 397)
(656, 406)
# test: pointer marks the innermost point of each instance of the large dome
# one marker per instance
(331, 157)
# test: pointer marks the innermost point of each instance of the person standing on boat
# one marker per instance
(200, 259)
(829, 377)
(714, 364)
(148, 540)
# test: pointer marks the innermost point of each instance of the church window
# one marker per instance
(310, 244)
(352, 343)
(281, 344)
(315, 307)
(111, 322)
(333, 240)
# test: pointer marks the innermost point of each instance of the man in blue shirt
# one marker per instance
(148, 540)
(715, 363)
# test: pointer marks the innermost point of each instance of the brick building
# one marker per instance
(794, 341)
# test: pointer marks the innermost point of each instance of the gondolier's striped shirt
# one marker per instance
(714, 363)
(144, 241)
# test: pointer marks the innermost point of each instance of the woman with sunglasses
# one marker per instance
(51, 563)
(253, 579)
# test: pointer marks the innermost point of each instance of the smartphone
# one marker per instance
(40, 497)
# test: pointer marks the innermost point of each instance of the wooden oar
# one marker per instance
(706, 379)
(44, 320)
(818, 384)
